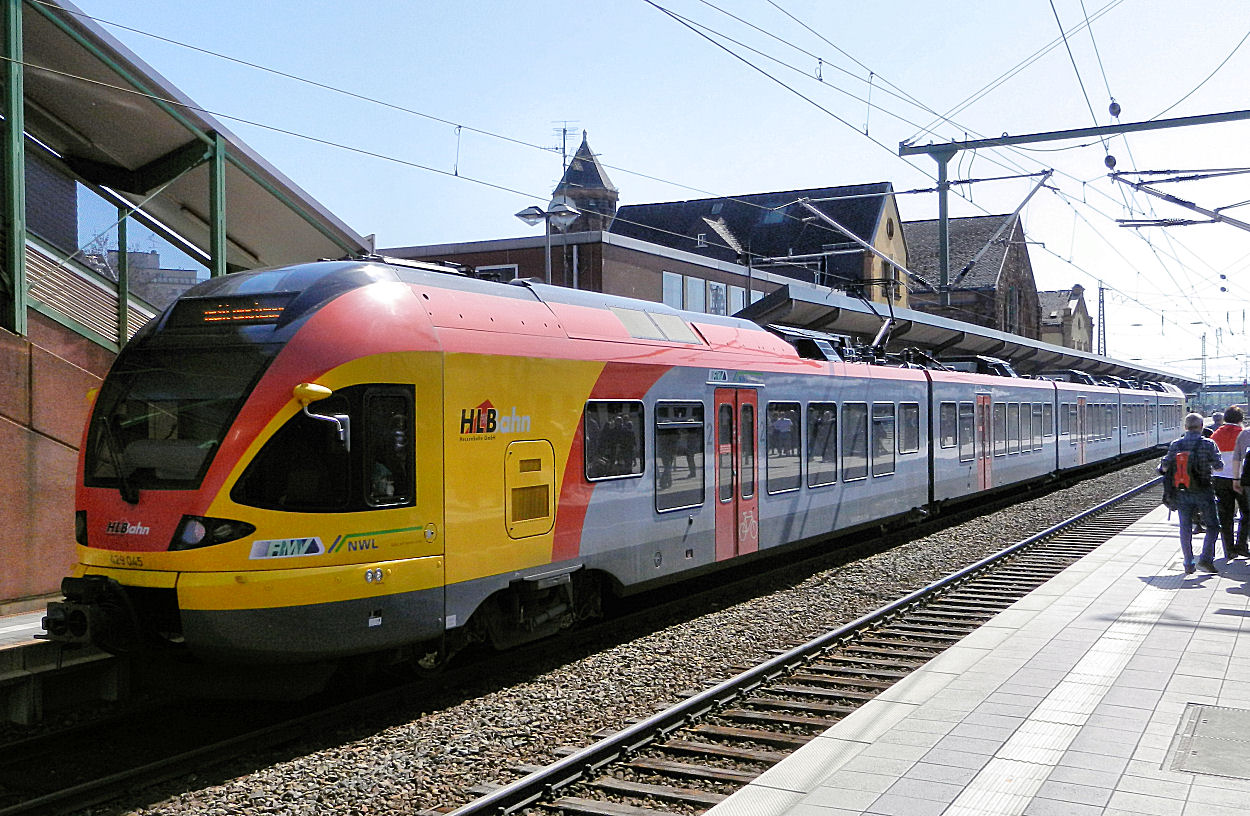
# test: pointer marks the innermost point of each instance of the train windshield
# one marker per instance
(162, 414)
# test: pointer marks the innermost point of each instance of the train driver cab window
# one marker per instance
(612, 441)
(784, 441)
(947, 424)
(967, 431)
(306, 467)
(854, 441)
(678, 455)
(884, 441)
(822, 443)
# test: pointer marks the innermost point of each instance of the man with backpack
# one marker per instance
(1228, 497)
(1187, 469)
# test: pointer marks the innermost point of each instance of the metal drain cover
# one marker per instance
(1212, 740)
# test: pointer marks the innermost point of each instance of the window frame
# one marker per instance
(904, 426)
(791, 407)
(832, 437)
(642, 441)
(656, 426)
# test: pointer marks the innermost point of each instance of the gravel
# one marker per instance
(433, 760)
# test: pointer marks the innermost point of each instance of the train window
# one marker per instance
(822, 443)
(679, 455)
(883, 438)
(725, 452)
(947, 424)
(1026, 428)
(1037, 426)
(1065, 418)
(908, 427)
(1013, 428)
(746, 451)
(784, 461)
(1048, 420)
(612, 446)
(388, 449)
(305, 467)
(1071, 420)
(854, 441)
(967, 432)
(1000, 429)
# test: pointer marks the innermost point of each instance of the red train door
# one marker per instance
(737, 488)
(1080, 430)
(985, 442)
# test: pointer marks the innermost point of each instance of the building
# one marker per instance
(110, 157)
(586, 186)
(991, 277)
(1065, 319)
(817, 235)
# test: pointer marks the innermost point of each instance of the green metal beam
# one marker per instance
(217, 208)
(123, 276)
(148, 177)
(117, 68)
(13, 308)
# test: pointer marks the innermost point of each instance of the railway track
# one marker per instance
(690, 757)
(62, 772)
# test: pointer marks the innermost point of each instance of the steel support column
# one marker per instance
(217, 207)
(123, 277)
(943, 157)
(13, 275)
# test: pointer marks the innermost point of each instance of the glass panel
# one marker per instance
(1013, 428)
(908, 427)
(679, 455)
(737, 299)
(672, 290)
(388, 452)
(854, 441)
(1026, 428)
(717, 298)
(947, 424)
(784, 462)
(822, 443)
(696, 296)
(725, 452)
(613, 439)
(746, 448)
(883, 441)
(1037, 426)
(1048, 419)
(967, 432)
(162, 415)
(1000, 429)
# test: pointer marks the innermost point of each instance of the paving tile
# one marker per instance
(1085, 776)
(958, 759)
(926, 789)
(1072, 792)
(1142, 805)
(889, 805)
(934, 772)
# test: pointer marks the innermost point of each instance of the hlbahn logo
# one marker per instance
(125, 528)
(486, 419)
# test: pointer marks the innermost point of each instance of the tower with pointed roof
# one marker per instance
(587, 187)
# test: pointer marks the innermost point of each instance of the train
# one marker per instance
(352, 457)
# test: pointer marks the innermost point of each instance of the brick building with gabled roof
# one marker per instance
(991, 277)
(774, 232)
(1066, 320)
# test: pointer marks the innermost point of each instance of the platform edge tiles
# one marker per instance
(1075, 700)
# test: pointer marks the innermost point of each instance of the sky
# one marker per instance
(435, 121)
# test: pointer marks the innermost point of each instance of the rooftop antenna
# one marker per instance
(566, 126)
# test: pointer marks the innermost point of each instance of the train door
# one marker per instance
(985, 442)
(1080, 430)
(737, 488)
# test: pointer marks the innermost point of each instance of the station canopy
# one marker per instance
(117, 123)
(835, 313)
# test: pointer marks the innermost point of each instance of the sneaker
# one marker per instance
(1207, 566)
(1241, 552)
(1189, 568)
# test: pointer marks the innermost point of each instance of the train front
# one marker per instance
(248, 478)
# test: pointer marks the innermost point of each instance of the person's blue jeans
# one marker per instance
(1204, 502)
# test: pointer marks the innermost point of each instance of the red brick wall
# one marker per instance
(44, 381)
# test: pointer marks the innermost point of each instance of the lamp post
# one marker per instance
(559, 213)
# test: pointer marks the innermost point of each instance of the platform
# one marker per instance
(1121, 687)
(20, 630)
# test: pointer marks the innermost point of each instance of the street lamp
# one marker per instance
(560, 214)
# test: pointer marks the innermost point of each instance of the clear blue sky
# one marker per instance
(674, 116)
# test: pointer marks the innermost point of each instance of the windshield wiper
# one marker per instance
(130, 494)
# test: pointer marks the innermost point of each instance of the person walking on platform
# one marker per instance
(1228, 495)
(1189, 462)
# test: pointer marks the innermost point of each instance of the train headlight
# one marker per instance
(197, 531)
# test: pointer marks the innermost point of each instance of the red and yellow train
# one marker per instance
(337, 458)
